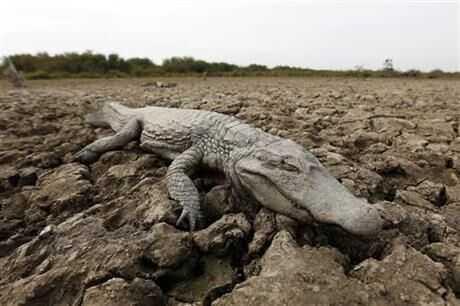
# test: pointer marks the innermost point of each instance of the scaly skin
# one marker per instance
(278, 173)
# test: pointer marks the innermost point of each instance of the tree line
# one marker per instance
(96, 65)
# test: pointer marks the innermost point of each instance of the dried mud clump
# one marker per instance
(105, 234)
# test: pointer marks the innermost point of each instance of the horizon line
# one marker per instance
(354, 68)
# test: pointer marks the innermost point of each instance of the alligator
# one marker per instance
(276, 172)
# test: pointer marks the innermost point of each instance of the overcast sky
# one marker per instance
(317, 34)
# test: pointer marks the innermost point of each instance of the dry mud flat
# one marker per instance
(104, 235)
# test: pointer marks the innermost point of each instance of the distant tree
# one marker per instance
(222, 67)
(413, 73)
(178, 64)
(283, 67)
(140, 62)
(256, 67)
(436, 73)
(388, 65)
(186, 64)
(89, 64)
(114, 62)
(141, 66)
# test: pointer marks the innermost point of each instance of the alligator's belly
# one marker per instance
(164, 146)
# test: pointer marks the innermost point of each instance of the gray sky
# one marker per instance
(317, 34)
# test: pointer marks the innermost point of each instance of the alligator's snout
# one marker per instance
(365, 221)
(334, 204)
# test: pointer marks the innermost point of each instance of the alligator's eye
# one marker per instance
(288, 166)
(273, 161)
(260, 156)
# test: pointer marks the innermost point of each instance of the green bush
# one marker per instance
(38, 75)
(95, 65)
(413, 73)
(434, 74)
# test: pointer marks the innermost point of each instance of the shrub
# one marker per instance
(413, 73)
(95, 65)
(436, 73)
(38, 75)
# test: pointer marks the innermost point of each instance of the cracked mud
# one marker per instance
(104, 234)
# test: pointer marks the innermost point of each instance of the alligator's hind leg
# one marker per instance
(90, 153)
(181, 187)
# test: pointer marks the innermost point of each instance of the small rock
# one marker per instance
(436, 130)
(405, 273)
(291, 275)
(264, 229)
(456, 275)
(453, 194)
(161, 209)
(367, 98)
(9, 178)
(433, 192)
(46, 232)
(449, 255)
(224, 235)
(44, 160)
(7, 157)
(412, 198)
(335, 159)
(442, 252)
(455, 145)
(363, 139)
(216, 202)
(302, 113)
(66, 187)
(285, 223)
(392, 125)
(438, 147)
(118, 292)
(394, 165)
(121, 171)
(217, 273)
(27, 176)
(413, 142)
(169, 247)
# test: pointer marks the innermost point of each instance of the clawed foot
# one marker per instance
(194, 218)
(86, 156)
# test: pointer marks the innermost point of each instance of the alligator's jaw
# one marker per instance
(270, 197)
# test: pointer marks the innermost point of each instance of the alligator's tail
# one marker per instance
(111, 114)
(96, 119)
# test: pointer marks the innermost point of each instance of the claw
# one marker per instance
(192, 219)
(86, 156)
(181, 217)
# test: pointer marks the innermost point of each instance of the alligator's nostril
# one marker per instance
(367, 223)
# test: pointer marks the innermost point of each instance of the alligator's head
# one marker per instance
(288, 179)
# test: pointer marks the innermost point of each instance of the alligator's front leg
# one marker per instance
(131, 131)
(181, 187)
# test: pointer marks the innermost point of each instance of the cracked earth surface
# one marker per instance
(105, 235)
